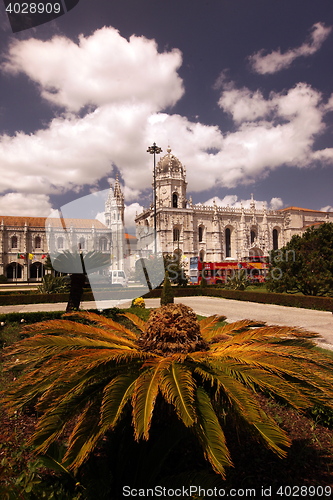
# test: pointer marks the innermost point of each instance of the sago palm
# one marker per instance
(93, 373)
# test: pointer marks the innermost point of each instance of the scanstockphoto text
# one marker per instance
(308, 491)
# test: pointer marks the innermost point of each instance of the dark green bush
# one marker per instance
(167, 295)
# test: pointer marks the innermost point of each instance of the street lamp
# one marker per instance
(154, 150)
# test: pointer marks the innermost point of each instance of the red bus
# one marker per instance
(215, 273)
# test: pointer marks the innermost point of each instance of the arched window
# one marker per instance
(82, 244)
(227, 242)
(176, 234)
(14, 271)
(253, 236)
(60, 243)
(103, 244)
(38, 242)
(275, 239)
(175, 200)
(200, 233)
(36, 270)
(14, 241)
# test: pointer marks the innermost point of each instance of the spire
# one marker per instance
(117, 191)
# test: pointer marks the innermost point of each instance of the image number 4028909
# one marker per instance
(26, 14)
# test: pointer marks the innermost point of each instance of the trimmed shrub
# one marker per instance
(167, 295)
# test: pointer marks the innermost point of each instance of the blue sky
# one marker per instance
(242, 91)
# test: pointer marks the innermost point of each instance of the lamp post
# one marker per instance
(154, 150)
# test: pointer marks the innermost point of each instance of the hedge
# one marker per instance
(39, 298)
(35, 317)
(303, 301)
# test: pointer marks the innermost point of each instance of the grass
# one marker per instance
(309, 460)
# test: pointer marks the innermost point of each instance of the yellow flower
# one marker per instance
(138, 302)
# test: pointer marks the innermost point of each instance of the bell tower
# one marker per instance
(170, 182)
(114, 220)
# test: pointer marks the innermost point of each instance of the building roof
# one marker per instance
(130, 237)
(39, 222)
(301, 209)
(313, 224)
(21, 221)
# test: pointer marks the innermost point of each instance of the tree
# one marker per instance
(176, 269)
(167, 295)
(239, 280)
(53, 284)
(305, 264)
(78, 265)
(95, 374)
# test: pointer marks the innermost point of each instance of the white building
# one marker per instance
(25, 242)
(215, 233)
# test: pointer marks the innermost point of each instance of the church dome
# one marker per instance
(169, 164)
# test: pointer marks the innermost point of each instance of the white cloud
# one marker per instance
(101, 69)
(73, 150)
(130, 213)
(328, 208)
(244, 104)
(101, 217)
(233, 202)
(276, 61)
(25, 204)
(276, 203)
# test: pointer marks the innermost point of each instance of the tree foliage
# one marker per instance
(239, 280)
(305, 264)
(53, 284)
(78, 265)
(176, 269)
(167, 295)
(86, 378)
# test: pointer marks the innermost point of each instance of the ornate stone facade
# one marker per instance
(212, 232)
(24, 243)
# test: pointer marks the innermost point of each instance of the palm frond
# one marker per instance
(210, 433)
(245, 406)
(84, 436)
(103, 322)
(144, 396)
(61, 326)
(276, 334)
(206, 324)
(178, 386)
(62, 410)
(116, 394)
(233, 328)
(138, 322)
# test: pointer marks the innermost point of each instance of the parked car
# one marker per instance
(118, 277)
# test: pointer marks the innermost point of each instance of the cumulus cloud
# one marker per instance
(328, 208)
(128, 114)
(130, 213)
(276, 60)
(244, 104)
(233, 202)
(25, 204)
(103, 68)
